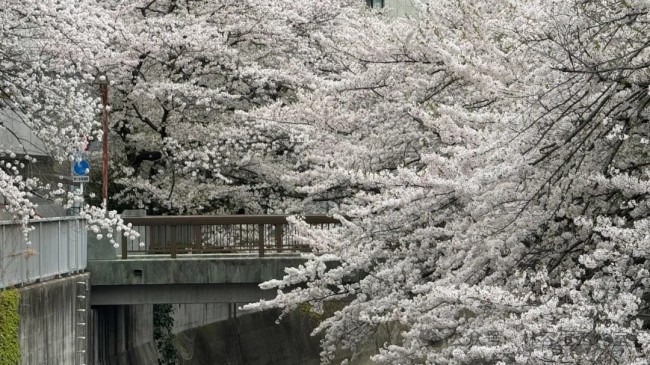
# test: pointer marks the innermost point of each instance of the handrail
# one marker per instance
(216, 233)
(39, 220)
(224, 219)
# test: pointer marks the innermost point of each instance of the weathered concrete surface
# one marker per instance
(199, 279)
(123, 335)
(253, 339)
(188, 316)
(53, 321)
(202, 269)
(208, 334)
(178, 294)
(100, 249)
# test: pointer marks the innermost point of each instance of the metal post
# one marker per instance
(40, 248)
(124, 248)
(173, 241)
(103, 88)
(198, 242)
(278, 237)
(3, 262)
(58, 248)
(260, 239)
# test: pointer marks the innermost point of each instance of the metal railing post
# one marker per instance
(198, 241)
(173, 241)
(40, 250)
(278, 237)
(58, 248)
(260, 239)
(124, 248)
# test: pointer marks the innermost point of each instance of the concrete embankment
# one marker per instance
(57, 326)
(250, 339)
(124, 335)
(53, 318)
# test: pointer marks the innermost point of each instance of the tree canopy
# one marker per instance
(488, 159)
(489, 162)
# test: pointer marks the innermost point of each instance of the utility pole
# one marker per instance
(103, 89)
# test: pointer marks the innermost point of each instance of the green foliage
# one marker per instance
(9, 322)
(163, 322)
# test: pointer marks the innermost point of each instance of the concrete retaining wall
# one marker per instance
(189, 316)
(252, 339)
(126, 337)
(53, 317)
(123, 334)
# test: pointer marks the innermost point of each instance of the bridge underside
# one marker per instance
(178, 294)
(198, 279)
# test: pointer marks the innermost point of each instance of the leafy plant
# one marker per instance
(9, 324)
(163, 323)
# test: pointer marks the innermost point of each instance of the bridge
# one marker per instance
(182, 259)
(90, 301)
(198, 259)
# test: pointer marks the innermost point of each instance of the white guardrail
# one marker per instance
(58, 247)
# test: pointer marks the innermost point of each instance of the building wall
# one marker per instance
(17, 137)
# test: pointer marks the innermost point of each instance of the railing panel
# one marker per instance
(82, 244)
(73, 236)
(58, 246)
(32, 259)
(177, 235)
(12, 271)
(78, 242)
(49, 252)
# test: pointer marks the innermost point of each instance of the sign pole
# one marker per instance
(81, 187)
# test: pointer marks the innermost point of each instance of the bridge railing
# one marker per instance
(176, 235)
(58, 247)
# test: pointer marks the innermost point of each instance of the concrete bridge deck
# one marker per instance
(151, 279)
(197, 259)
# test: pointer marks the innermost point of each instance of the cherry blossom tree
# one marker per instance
(182, 73)
(45, 92)
(180, 76)
(488, 161)
(44, 97)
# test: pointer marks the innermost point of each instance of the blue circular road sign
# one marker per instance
(81, 168)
